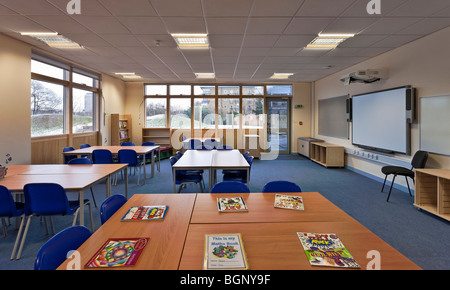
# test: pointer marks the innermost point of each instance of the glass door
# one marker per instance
(278, 124)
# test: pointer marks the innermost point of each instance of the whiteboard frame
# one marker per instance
(420, 123)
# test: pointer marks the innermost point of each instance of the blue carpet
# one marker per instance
(419, 236)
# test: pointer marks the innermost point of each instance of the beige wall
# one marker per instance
(301, 96)
(15, 112)
(424, 64)
(114, 92)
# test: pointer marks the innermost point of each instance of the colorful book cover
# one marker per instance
(224, 252)
(231, 204)
(118, 253)
(326, 250)
(146, 213)
(288, 202)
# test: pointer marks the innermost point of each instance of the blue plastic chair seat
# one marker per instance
(230, 187)
(110, 206)
(53, 253)
(281, 186)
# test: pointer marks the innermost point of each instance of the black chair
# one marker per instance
(419, 160)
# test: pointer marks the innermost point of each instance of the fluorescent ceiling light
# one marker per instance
(281, 75)
(131, 77)
(205, 75)
(126, 73)
(52, 39)
(328, 41)
(191, 40)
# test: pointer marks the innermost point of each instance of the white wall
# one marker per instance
(424, 64)
(15, 112)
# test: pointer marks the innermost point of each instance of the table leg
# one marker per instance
(145, 171)
(126, 182)
(174, 180)
(153, 165)
(108, 186)
(81, 212)
(248, 177)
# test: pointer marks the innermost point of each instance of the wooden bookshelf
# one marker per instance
(160, 136)
(326, 154)
(432, 191)
(120, 129)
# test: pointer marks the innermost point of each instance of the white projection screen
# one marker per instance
(382, 120)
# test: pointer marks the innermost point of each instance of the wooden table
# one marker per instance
(261, 209)
(163, 252)
(140, 150)
(269, 235)
(275, 246)
(211, 160)
(70, 177)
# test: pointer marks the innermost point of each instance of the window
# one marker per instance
(47, 108)
(50, 92)
(279, 90)
(155, 112)
(83, 111)
(155, 90)
(204, 113)
(47, 70)
(228, 113)
(83, 80)
(229, 90)
(180, 113)
(177, 90)
(204, 90)
(253, 90)
(253, 113)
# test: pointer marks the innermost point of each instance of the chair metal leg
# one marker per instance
(390, 190)
(385, 177)
(408, 186)
(19, 254)
(19, 234)
(93, 197)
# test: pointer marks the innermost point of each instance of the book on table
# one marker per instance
(146, 213)
(231, 204)
(224, 252)
(118, 253)
(326, 250)
(288, 202)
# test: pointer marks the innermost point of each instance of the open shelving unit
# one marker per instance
(432, 191)
(326, 154)
(120, 129)
(160, 136)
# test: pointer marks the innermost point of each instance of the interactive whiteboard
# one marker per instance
(435, 124)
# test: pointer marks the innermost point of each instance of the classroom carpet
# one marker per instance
(420, 236)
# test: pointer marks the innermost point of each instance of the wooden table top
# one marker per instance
(229, 159)
(195, 159)
(261, 209)
(68, 181)
(113, 149)
(163, 252)
(41, 169)
(276, 246)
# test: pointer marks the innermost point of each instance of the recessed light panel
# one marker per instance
(328, 41)
(52, 39)
(281, 75)
(191, 40)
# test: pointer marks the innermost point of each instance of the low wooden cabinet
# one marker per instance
(159, 136)
(304, 145)
(328, 155)
(432, 191)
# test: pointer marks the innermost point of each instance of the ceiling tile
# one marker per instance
(349, 25)
(6, 11)
(121, 39)
(226, 25)
(178, 8)
(276, 8)
(303, 25)
(359, 8)
(260, 40)
(185, 24)
(426, 26)
(224, 40)
(143, 25)
(60, 23)
(420, 8)
(396, 40)
(35, 7)
(227, 8)
(389, 25)
(129, 7)
(298, 41)
(267, 25)
(314, 8)
(19, 23)
(102, 24)
(91, 7)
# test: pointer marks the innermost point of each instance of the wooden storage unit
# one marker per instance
(120, 129)
(252, 145)
(304, 145)
(326, 154)
(160, 136)
(432, 191)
